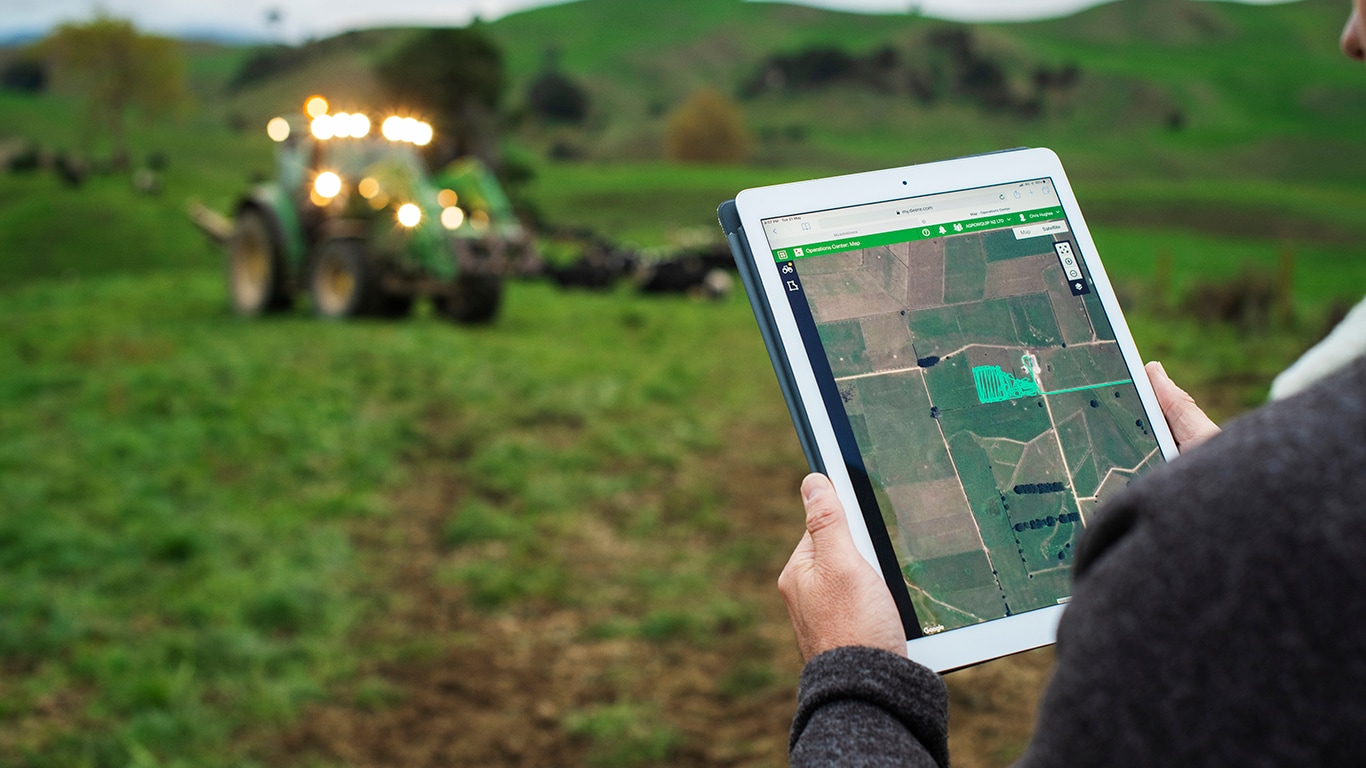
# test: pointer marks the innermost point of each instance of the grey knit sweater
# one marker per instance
(1218, 618)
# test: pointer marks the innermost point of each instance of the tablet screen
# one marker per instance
(976, 389)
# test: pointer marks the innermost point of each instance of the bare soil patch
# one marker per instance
(540, 682)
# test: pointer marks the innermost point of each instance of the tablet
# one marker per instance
(954, 358)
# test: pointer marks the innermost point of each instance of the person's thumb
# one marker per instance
(824, 514)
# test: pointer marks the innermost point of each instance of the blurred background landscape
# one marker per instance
(553, 539)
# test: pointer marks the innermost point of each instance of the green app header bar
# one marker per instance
(947, 229)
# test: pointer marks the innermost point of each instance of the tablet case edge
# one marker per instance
(729, 219)
(749, 277)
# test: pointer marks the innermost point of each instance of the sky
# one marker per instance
(302, 19)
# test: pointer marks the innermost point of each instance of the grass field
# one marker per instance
(186, 490)
(553, 541)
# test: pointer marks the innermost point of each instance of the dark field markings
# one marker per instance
(1062, 452)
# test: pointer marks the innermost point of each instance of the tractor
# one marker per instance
(355, 219)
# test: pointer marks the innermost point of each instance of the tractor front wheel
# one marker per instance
(473, 298)
(257, 280)
(342, 281)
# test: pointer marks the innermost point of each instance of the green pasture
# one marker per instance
(966, 587)
(180, 486)
(907, 448)
(190, 500)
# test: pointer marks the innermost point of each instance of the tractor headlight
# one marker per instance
(407, 129)
(278, 129)
(328, 185)
(452, 218)
(409, 215)
(341, 125)
(422, 134)
(323, 127)
(360, 126)
(479, 220)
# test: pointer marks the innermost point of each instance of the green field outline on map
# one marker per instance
(997, 386)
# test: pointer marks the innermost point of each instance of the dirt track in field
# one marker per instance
(533, 684)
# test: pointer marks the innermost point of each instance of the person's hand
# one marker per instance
(833, 595)
(1190, 426)
(1354, 34)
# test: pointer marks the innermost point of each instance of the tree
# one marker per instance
(556, 98)
(553, 96)
(454, 78)
(24, 75)
(707, 128)
(118, 70)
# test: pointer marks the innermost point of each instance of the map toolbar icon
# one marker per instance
(1067, 258)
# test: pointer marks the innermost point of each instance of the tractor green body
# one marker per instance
(464, 241)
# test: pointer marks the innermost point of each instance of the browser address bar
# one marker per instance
(907, 214)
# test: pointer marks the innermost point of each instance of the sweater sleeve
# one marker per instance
(1215, 618)
(867, 707)
(1215, 611)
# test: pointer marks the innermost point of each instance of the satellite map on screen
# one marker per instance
(989, 400)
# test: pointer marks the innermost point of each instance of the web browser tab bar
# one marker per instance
(1000, 204)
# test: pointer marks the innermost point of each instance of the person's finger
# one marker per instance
(834, 597)
(1352, 44)
(1190, 426)
(824, 514)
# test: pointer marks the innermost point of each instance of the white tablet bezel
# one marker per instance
(963, 646)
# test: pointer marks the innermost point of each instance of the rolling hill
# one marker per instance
(1166, 89)
(1220, 118)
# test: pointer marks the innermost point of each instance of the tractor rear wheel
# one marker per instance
(342, 281)
(257, 281)
(396, 305)
(473, 298)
